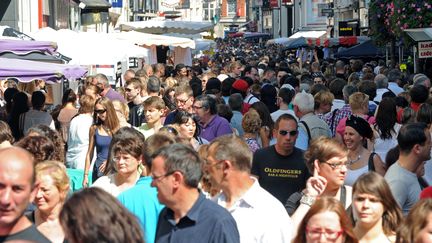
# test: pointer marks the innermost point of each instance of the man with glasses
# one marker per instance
(103, 83)
(188, 215)
(212, 125)
(281, 168)
(133, 89)
(260, 216)
(184, 100)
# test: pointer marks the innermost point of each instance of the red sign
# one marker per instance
(274, 3)
(287, 2)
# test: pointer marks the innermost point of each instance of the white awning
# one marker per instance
(168, 26)
(309, 34)
(420, 34)
(149, 39)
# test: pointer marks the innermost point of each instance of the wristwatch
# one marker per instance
(307, 200)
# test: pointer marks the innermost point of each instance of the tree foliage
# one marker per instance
(389, 18)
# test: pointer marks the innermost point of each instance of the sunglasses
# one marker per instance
(291, 133)
(99, 111)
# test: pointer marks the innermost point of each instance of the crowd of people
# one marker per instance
(252, 144)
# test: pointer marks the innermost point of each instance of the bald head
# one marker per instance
(19, 157)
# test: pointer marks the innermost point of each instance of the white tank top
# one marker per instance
(352, 175)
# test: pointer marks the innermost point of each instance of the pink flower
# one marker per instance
(399, 11)
(405, 26)
(382, 5)
(418, 9)
(413, 5)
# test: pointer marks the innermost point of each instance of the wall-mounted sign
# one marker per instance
(425, 49)
(345, 29)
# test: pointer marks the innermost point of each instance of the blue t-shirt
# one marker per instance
(141, 200)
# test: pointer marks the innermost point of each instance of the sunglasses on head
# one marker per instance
(100, 111)
(291, 133)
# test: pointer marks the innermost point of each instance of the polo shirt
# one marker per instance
(205, 222)
(260, 216)
(217, 127)
(114, 95)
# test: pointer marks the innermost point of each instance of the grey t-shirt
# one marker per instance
(30, 234)
(404, 186)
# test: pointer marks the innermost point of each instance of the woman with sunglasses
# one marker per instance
(105, 124)
(326, 221)
(375, 212)
(326, 160)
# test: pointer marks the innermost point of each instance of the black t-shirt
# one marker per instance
(136, 114)
(280, 175)
(31, 234)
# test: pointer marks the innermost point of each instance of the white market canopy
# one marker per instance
(87, 48)
(309, 34)
(149, 39)
(168, 26)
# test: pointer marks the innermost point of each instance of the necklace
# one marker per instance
(352, 161)
(106, 128)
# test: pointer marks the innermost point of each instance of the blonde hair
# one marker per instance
(358, 101)
(251, 121)
(121, 107)
(171, 82)
(324, 97)
(57, 171)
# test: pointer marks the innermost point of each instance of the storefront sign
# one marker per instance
(425, 49)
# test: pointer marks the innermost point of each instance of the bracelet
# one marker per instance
(307, 200)
(86, 173)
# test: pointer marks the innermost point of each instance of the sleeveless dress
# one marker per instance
(102, 143)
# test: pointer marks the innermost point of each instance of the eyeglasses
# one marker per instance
(329, 234)
(182, 101)
(158, 178)
(335, 166)
(291, 133)
(100, 111)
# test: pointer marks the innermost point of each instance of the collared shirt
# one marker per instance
(236, 122)
(218, 126)
(394, 87)
(205, 222)
(332, 122)
(114, 95)
(260, 216)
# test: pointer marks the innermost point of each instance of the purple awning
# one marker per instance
(26, 71)
(25, 46)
